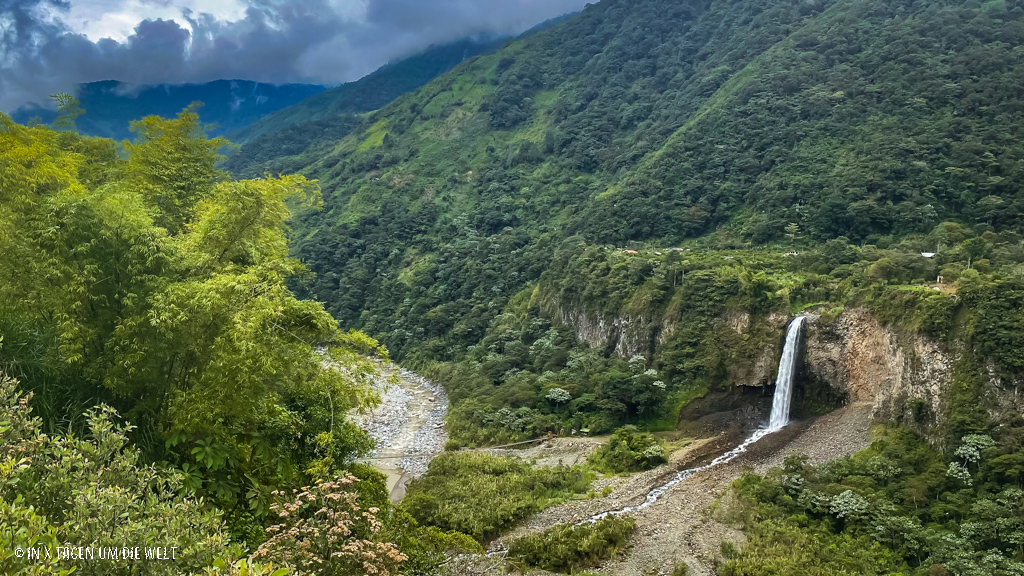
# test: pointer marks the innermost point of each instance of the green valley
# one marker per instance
(705, 286)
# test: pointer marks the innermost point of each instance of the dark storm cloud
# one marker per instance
(277, 41)
(394, 28)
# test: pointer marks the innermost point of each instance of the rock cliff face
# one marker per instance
(897, 372)
(753, 358)
(754, 361)
(905, 376)
(1004, 393)
(630, 334)
(759, 371)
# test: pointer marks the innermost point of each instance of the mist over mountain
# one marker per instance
(243, 110)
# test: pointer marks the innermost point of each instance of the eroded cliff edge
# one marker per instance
(906, 376)
(847, 357)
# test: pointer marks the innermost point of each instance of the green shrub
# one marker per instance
(916, 309)
(481, 494)
(60, 490)
(629, 451)
(898, 507)
(567, 549)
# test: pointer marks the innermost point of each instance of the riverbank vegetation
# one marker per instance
(483, 495)
(900, 506)
(568, 549)
(628, 450)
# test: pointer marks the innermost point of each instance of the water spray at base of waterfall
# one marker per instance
(778, 420)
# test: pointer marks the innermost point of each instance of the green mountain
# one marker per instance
(473, 220)
(610, 222)
(374, 90)
(661, 121)
(230, 105)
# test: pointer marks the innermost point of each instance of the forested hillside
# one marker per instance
(373, 91)
(279, 142)
(464, 222)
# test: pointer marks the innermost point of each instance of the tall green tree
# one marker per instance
(68, 110)
(172, 163)
(151, 283)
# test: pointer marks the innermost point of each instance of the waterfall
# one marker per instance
(778, 420)
(784, 382)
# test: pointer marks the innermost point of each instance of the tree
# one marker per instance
(156, 288)
(792, 231)
(68, 111)
(172, 163)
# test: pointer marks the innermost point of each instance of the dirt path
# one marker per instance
(679, 527)
(408, 427)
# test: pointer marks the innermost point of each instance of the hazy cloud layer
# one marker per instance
(45, 45)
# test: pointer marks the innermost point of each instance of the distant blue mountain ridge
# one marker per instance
(244, 110)
(229, 105)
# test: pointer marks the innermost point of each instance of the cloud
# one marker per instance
(117, 19)
(48, 46)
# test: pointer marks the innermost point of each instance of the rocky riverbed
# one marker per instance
(679, 528)
(408, 426)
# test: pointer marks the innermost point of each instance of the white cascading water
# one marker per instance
(784, 381)
(779, 419)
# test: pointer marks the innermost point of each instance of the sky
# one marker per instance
(49, 46)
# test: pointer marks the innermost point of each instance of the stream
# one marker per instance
(779, 419)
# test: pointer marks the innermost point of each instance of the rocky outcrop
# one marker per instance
(858, 357)
(1005, 393)
(630, 334)
(755, 358)
(738, 320)
(759, 371)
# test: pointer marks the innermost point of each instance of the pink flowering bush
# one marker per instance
(324, 531)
